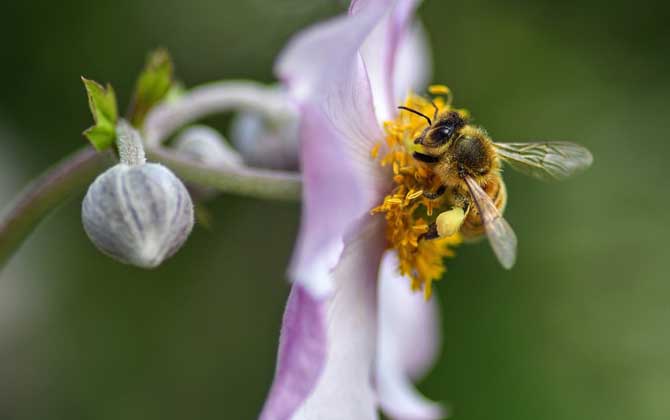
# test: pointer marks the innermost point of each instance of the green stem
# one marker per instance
(45, 193)
(77, 171)
(251, 182)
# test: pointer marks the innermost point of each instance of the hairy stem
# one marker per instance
(213, 98)
(45, 193)
(250, 182)
(78, 170)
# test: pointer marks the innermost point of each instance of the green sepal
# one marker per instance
(102, 102)
(177, 90)
(152, 86)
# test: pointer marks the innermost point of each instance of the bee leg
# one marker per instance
(436, 194)
(425, 158)
(431, 234)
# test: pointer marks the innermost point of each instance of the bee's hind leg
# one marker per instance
(431, 233)
(437, 194)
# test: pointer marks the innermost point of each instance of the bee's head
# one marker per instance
(471, 152)
(441, 131)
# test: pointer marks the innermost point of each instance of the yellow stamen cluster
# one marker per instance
(407, 211)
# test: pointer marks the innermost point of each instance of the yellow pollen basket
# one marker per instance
(407, 211)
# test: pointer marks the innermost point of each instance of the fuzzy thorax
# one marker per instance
(484, 170)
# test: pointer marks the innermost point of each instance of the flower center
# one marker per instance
(407, 210)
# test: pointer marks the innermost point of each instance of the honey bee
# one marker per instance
(467, 163)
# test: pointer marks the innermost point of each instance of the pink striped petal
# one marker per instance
(325, 75)
(409, 338)
(413, 68)
(347, 333)
(302, 351)
(380, 51)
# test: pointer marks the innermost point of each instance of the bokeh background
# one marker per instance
(578, 330)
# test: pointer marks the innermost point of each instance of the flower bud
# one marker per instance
(267, 142)
(206, 145)
(138, 213)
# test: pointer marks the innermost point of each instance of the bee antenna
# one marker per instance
(414, 111)
(436, 109)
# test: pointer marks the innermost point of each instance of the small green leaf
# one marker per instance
(100, 137)
(102, 103)
(177, 90)
(152, 86)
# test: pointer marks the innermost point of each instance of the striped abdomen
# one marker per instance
(472, 226)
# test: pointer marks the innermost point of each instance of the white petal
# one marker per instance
(413, 63)
(301, 356)
(409, 338)
(380, 51)
(327, 346)
(324, 73)
(344, 390)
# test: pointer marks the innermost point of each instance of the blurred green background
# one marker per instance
(578, 330)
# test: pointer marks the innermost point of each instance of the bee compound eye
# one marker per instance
(442, 135)
(446, 132)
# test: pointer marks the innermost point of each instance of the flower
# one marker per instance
(353, 334)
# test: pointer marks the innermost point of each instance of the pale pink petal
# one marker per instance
(414, 63)
(302, 351)
(344, 388)
(408, 343)
(325, 75)
(380, 51)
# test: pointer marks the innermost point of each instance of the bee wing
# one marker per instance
(500, 233)
(548, 161)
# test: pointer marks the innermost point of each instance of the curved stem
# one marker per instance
(217, 97)
(77, 171)
(212, 98)
(45, 193)
(73, 173)
(251, 182)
